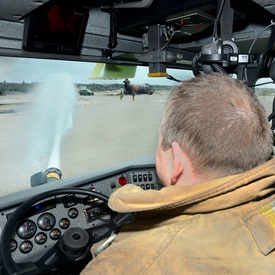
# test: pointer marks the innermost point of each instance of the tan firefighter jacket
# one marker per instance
(223, 226)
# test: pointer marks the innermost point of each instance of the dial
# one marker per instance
(73, 213)
(26, 229)
(46, 221)
(64, 223)
(55, 234)
(13, 245)
(26, 247)
(40, 238)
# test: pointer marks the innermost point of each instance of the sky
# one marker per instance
(37, 70)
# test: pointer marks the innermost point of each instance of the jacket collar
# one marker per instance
(201, 197)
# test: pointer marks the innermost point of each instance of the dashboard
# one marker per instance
(43, 224)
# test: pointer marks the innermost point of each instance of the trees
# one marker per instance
(24, 87)
(265, 91)
(16, 87)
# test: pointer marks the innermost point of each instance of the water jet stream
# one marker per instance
(55, 109)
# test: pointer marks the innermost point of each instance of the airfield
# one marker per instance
(105, 131)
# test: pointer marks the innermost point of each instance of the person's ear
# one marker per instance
(178, 163)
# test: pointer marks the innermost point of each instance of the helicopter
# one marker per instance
(138, 89)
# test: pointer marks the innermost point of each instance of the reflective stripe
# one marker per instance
(269, 212)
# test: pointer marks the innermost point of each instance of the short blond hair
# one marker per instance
(219, 123)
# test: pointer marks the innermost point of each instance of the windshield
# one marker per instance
(53, 115)
(265, 90)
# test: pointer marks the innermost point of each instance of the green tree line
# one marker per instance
(16, 87)
(117, 86)
(26, 87)
(265, 91)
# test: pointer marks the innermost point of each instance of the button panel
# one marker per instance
(145, 179)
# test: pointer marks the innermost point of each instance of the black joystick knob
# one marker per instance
(75, 241)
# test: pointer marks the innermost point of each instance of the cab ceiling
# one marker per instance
(252, 16)
(16, 9)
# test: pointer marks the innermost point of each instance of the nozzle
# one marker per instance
(50, 174)
(53, 174)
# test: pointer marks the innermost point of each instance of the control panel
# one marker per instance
(144, 178)
(45, 222)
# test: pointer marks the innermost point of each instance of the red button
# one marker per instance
(122, 181)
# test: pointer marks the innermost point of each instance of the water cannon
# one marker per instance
(156, 53)
(51, 174)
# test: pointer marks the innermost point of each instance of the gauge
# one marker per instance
(46, 222)
(13, 245)
(26, 247)
(55, 234)
(40, 238)
(64, 223)
(26, 229)
(73, 213)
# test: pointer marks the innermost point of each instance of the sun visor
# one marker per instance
(113, 71)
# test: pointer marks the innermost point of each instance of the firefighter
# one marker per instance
(121, 94)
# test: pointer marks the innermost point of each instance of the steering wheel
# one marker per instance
(73, 244)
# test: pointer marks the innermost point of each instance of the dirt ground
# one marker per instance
(106, 131)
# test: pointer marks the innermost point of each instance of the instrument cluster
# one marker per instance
(44, 223)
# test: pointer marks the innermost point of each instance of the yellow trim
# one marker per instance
(157, 74)
(53, 175)
(113, 71)
(96, 70)
(269, 212)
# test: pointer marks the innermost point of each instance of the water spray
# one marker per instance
(54, 117)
